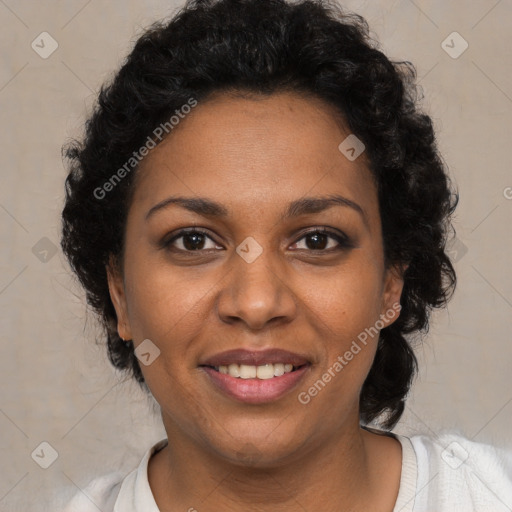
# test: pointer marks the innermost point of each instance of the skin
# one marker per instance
(255, 155)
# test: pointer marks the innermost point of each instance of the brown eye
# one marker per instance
(323, 240)
(191, 240)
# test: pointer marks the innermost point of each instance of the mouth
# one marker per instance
(255, 377)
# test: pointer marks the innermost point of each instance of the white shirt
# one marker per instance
(448, 473)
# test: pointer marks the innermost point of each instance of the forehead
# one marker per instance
(247, 149)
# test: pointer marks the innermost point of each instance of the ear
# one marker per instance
(393, 286)
(116, 289)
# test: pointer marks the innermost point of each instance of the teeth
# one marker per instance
(247, 372)
(234, 370)
(266, 371)
(278, 369)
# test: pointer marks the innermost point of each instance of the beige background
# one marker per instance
(56, 383)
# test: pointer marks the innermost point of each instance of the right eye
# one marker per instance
(190, 240)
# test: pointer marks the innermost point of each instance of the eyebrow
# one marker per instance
(306, 205)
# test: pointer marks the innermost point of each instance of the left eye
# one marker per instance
(319, 241)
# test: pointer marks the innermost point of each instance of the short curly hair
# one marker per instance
(266, 46)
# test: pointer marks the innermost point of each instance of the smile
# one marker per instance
(263, 372)
(255, 384)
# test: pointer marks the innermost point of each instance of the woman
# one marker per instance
(259, 214)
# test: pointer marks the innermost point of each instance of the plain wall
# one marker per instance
(57, 385)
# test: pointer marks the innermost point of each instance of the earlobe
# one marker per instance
(394, 283)
(118, 298)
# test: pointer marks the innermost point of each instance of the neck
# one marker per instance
(344, 473)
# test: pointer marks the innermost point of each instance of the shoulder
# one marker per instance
(99, 494)
(115, 491)
(459, 472)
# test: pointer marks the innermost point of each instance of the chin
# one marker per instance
(259, 447)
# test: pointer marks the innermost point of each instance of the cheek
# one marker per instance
(164, 304)
(345, 308)
(347, 301)
(169, 310)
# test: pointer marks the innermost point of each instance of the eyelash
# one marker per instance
(343, 241)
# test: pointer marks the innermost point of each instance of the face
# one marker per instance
(258, 268)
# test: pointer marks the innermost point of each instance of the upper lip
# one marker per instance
(255, 358)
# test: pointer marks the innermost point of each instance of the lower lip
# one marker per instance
(256, 391)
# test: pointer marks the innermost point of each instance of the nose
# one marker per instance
(256, 293)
